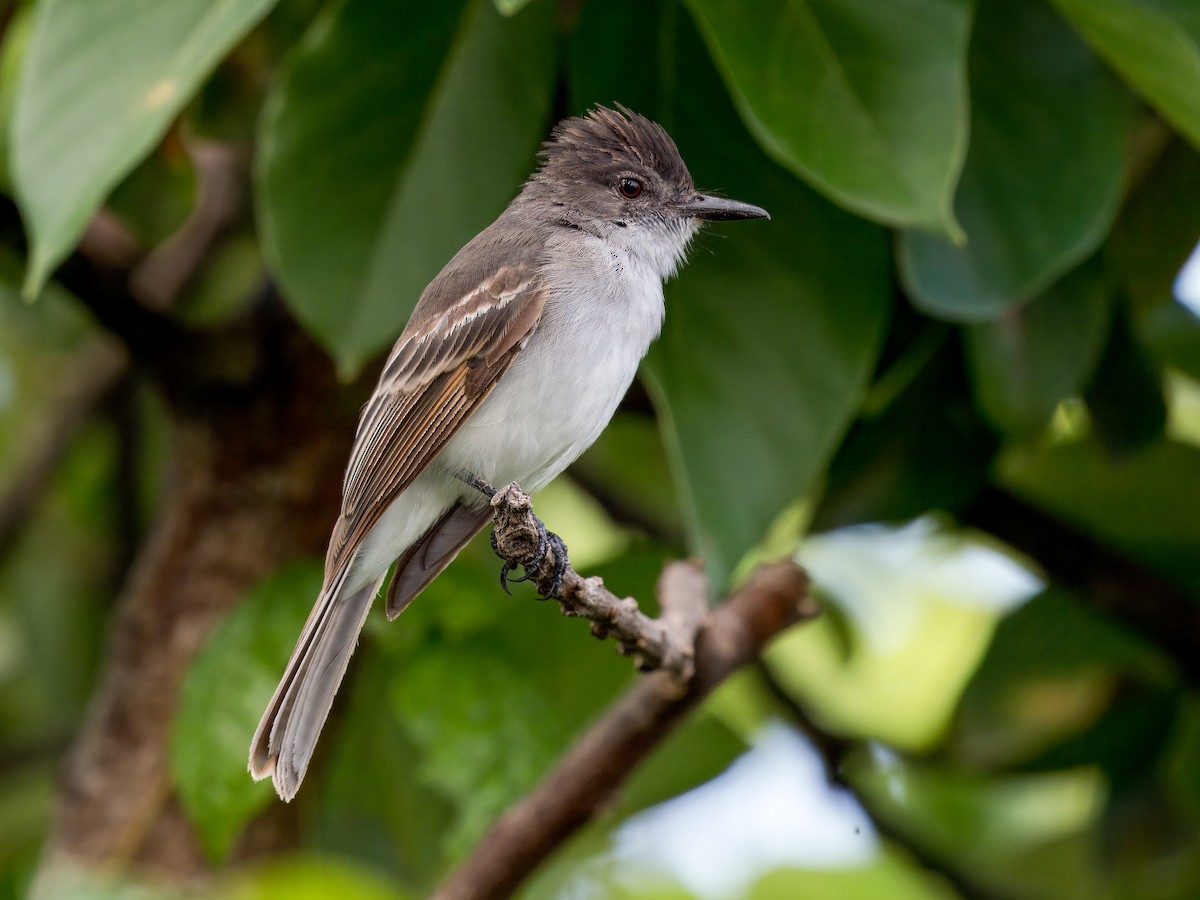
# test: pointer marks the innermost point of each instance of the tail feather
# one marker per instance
(435, 550)
(287, 735)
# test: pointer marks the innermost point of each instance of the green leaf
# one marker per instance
(486, 732)
(928, 448)
(12, 54)
(920, 614)
(1043, 173)
(1036, 355)
(627, 469)
(888, 875)
(99, 85)
(865, 100)
(372, 170)
(772, 329)
(1050, 672)
(1150, 243)
(226, 690)
(510, 7)
(1155, 44)
(307, 877)
(1126, 396)
(1138, 505)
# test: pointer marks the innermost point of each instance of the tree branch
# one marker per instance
(160, 278)
(98, 274)
(128, 290)
(586, 777)
(666, 643)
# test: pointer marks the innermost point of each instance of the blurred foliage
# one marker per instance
(980, 210)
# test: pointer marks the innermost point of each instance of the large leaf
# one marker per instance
(226, 690)
(866, 100)
(1150, 243)
(371, 173)
(371, 801)
(450, 699)
(1036, 355)
(1050, 673)
(1126, 396)
(305, 877)
(1139, 505)
(772, 330)
(1155, 44)
(99, 86)
(1043, 173)
(928, 448)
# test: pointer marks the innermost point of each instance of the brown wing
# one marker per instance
(435, 377)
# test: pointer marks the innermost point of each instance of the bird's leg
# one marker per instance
(560, 561)
(546, 541)
(504, 569)
(476, 482)
(472, 480)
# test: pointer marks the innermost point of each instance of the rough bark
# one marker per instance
(253, 482)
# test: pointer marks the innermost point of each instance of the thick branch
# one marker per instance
(128, 290)
(1114, 584)
(98, 275)
(585, 779)
(160, 279)
(665, 643)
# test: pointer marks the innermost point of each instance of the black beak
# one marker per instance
(706, 206)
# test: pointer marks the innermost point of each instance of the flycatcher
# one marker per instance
(513, 362)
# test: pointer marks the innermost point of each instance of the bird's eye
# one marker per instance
(629, 188)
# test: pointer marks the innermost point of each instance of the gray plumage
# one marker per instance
(513, 361)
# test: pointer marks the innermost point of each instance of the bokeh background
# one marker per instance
(957, 376)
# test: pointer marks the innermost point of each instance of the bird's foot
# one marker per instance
(504, 569)
(547, 541)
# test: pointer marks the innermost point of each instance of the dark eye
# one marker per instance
(629, 188)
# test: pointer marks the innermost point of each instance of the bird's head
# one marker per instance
(615, 170)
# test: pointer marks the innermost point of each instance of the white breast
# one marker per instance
(604, 309)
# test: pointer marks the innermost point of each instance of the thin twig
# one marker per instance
(590, 773)
(666, 643)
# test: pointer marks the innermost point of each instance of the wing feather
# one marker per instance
(434, 379)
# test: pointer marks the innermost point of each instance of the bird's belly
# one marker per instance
(560, 392)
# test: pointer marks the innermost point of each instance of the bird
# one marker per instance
(514, 360)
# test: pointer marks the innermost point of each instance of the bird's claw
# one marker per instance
(547, 540)
(504, 569)
(539, 552)
(560, 562)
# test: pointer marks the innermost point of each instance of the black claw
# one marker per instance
(546, 541)
(504, 569)
(560, 561)
(539, 552)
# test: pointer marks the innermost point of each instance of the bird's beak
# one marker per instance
(706, 206)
